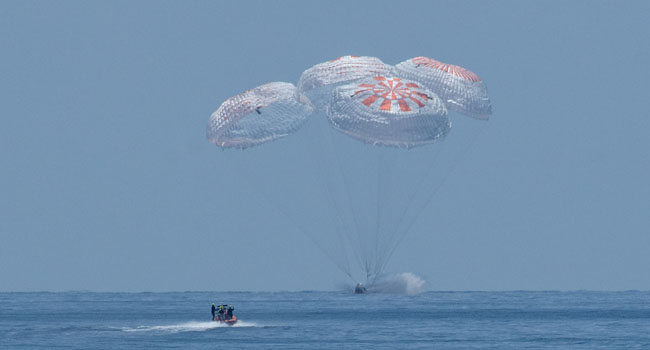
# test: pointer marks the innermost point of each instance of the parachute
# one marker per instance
(389, 112)
(460, 89)
(318, 81)
(355, 200)
(259, 115)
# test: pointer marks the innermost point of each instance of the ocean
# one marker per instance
(327, 320)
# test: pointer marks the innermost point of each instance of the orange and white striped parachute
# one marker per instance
(388, 111)
(460, 89)
(262, 114)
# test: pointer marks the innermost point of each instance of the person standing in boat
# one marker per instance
(221, 313)
(214, 309)
(230, 310)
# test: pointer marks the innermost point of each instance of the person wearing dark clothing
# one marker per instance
(230, 310)
(214, 309)
(221, 312)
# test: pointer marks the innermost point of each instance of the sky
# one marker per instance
(107, 182)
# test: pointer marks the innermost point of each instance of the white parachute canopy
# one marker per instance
(459, 88)
(318, 81)
(388, 112)
(262, 114)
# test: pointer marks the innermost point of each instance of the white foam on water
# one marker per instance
(400, 283)
(192, 326)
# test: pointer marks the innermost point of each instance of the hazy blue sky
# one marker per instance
(107, 181)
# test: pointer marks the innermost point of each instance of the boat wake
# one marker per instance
(188, 327)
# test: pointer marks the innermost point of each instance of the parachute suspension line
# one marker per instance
(399, 235)
(341, 225)
(392, 232)
(374, 236)
(380, 214)
(303, 230)
(356, 229)
(377, 218)
(329, 193)
(365, 243)
(455, 162)
(417, 189)
(347, 237)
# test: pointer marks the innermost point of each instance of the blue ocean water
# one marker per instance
(327, 320)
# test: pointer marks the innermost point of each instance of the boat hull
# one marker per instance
(229, 322)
